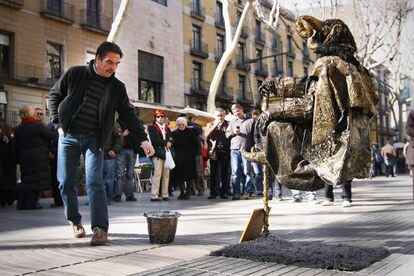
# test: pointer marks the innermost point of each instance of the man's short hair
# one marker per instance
(107, 47)
(236, 105)
(219, 109)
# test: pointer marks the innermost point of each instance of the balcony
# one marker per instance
(242, 97)
(95, 21)
(225, 93)
(219, 22)
(198, 12)
(290, 53)
(244, 33)
(198, 48)
(259, 38)
(15, 4)
(60, 11)
(306, 57)
(30, 75)
(241, 64)
(199, 87)
(261, 70)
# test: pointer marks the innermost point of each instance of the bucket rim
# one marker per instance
(162, 214)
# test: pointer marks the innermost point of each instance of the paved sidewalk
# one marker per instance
(40, 241)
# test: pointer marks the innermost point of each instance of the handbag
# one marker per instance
(169, 163)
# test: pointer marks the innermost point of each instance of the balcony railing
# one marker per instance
(16, 4)
(225, 93)
(198, 48)
(29, 75)
(199, 87)
(259, 38)
(306, 57)
(219, 20)
(261, 70)
(242, 97)
(58, 10)
(198, 12)
(241, 64)
(95, 21)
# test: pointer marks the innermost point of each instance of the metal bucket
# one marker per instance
(162, 226)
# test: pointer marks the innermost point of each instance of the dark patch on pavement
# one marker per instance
(306, 254)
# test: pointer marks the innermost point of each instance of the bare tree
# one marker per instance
(119, 21)
(232, 39)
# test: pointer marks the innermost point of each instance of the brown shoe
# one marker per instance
(99, 237)
(79, 231)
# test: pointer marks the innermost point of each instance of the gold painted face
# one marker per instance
(307, 27)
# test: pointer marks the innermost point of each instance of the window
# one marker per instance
(196, 75)
(54, 62)
(55, 7)
(305, 49)
(220, 45)
(305, 71)
(162, 2)
(258, 30)
(290, 46)
(240, 52)
(5, 56)
(239, 14)
(196, 6)
(93, 13)
(151, 77)
(290, 69)
(242, 86)
(219, 14)
(196, 32)
(222, 84)
(259, 56)
(149, 91)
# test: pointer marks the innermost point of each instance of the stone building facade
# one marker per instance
(41, 39)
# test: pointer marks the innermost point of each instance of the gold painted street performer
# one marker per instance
(319, 132)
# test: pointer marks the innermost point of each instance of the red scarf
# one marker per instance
(29, 120)
(157, 127)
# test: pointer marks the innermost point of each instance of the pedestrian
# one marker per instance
(7, 166)
(237, 133)
(219, 155)
(112, 148)
(257, 168)
(389, 154)
(82, 104)
(346, 195)
(32, 140)
(53, 157)
(160, 136)
(185, 144)
(376, 160)
(409, 130)
(125, 165)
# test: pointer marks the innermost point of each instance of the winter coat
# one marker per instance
(31, 148)
(157, 140)
(114, 142)
(185, 145)
(7, 165)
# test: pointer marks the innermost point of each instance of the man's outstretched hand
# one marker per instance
(148, 149)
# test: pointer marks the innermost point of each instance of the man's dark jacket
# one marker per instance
(68, 93)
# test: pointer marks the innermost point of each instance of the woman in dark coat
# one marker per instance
(185, 145)
(7, 167)
(32, 140)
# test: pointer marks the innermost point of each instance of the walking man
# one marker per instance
(83, 103)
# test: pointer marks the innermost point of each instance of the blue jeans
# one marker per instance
(124, 172)
(258, 176)
(240, 170)
(109, 176)
(71, 146)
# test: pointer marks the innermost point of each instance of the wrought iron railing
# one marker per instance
(198, 11)
(241, 64)
(261, 69)
(95, 20)
(58, 9)
(197, 47)
(199, 86)
(30, 75)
